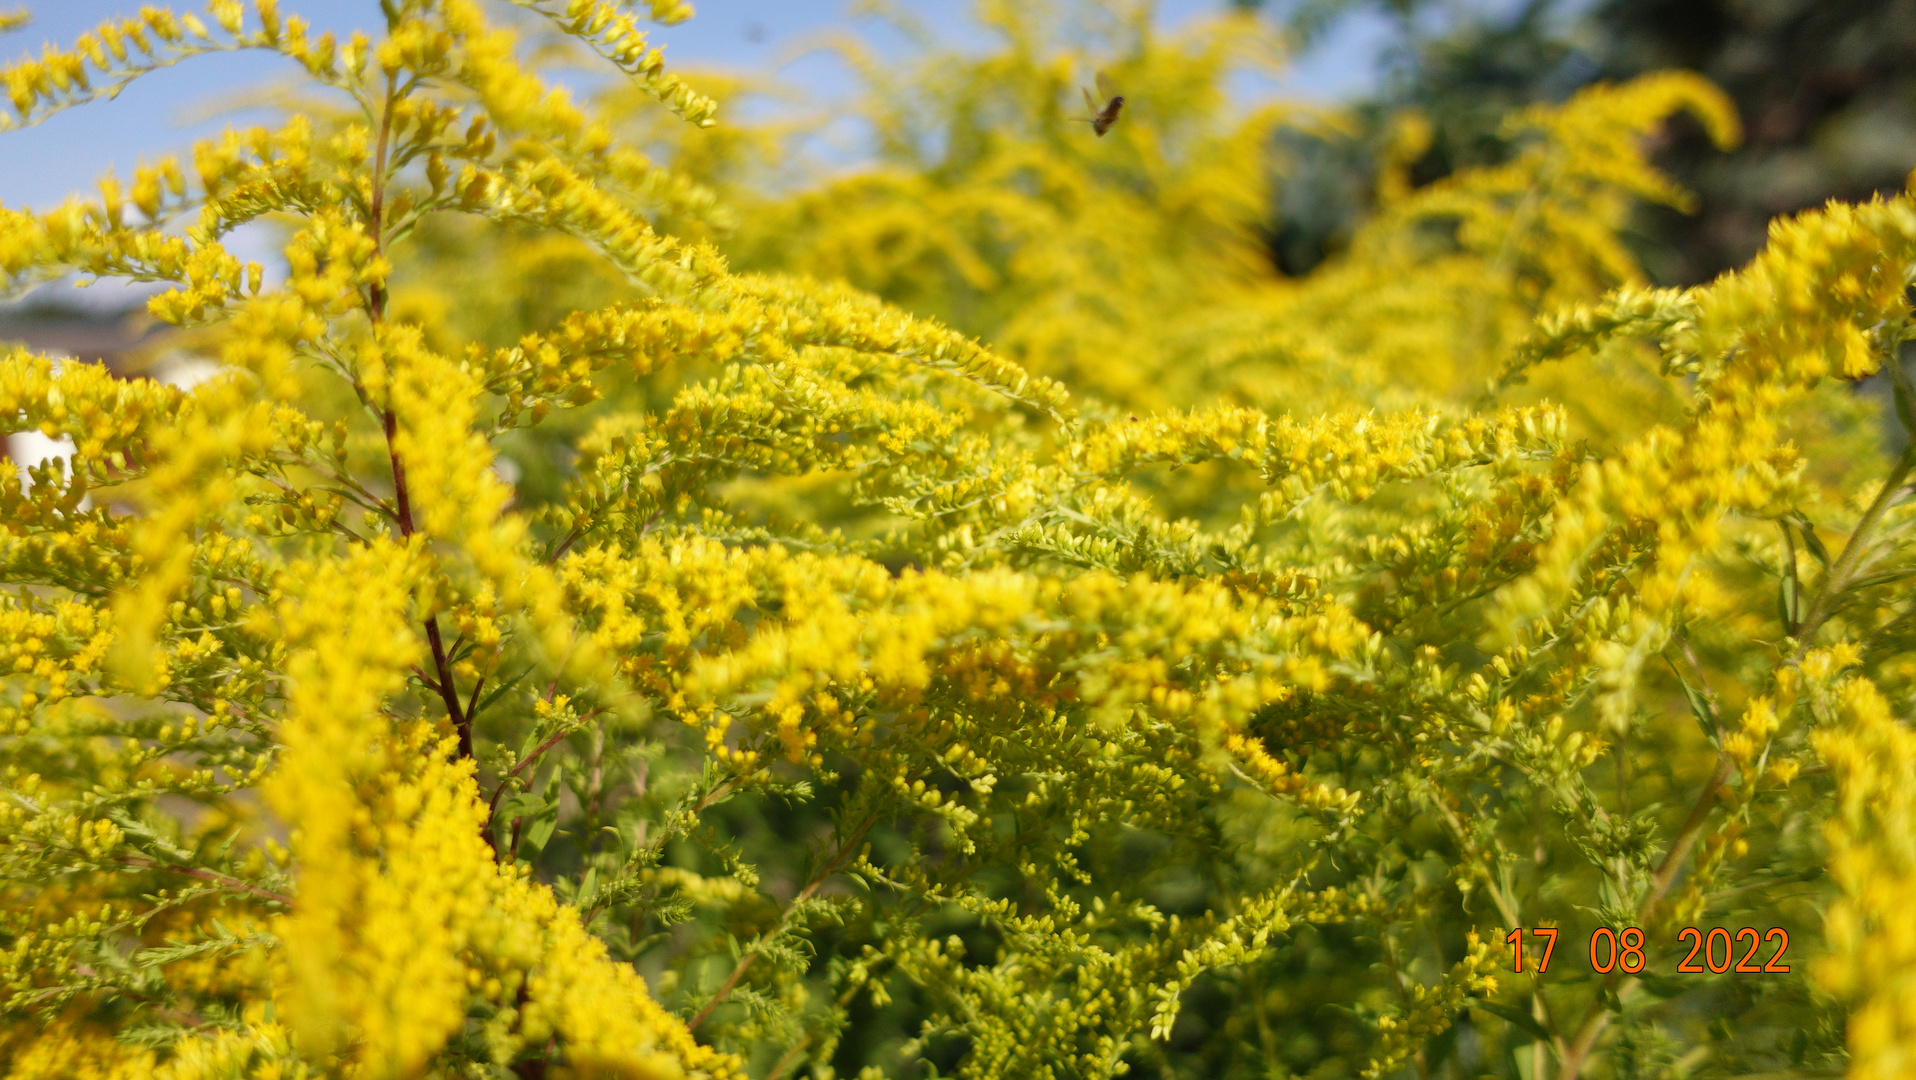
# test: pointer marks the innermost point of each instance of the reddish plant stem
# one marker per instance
(402, 498)
(551, 741)
(142, 862)
(472, 701)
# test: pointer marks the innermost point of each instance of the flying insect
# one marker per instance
(1103, 116)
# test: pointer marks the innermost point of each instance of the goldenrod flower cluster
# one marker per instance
(628, 608)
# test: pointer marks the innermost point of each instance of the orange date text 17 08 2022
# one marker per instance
(1714, 950)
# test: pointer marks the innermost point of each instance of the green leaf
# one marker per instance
(1663, 986)
(541, 817)
(540, 828)
(494, 696)
(1700, 707)
(1522, 1020)
(524, 804)
(1810, 540)
(1438, 1048)
(1905, 399)
(623, 839)
(1887, 577)
(1789, 599)
(530, 744)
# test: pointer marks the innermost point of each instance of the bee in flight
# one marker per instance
(1103, 116)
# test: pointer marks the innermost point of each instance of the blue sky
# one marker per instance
(167, 110)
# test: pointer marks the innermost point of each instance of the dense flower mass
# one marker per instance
(628, 607)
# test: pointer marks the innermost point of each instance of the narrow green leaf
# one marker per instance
(623, 839)
(524, 804)
(1522, 1020)
(1789, 600)
(1789, 595)
(1699, 707)
(1663, 986)
(495, 694)
(521, 806)
(1810, 540)
(1887, 577)
(1438, 1049)
(1905, 399)
(540, 828)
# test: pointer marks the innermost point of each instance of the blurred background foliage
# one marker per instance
(1825, 89)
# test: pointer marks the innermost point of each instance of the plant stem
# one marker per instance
(825, 871)
(550, 742)
(1846, 564)
(143, 862)
(402, 498)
